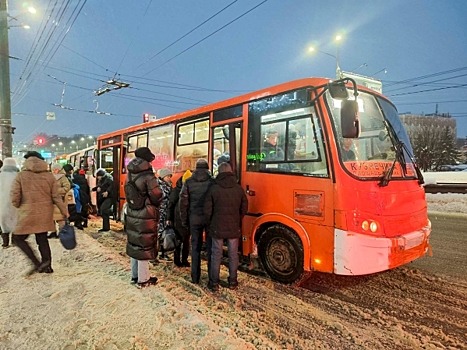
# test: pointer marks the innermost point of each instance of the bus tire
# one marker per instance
(281, 254)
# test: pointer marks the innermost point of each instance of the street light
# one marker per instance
(337, 40)
(5, 102)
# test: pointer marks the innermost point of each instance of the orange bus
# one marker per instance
(85, 159)
(327, 167)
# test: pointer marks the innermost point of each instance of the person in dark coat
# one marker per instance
(105, 197)
(192, 216)
(34, 193)
(142, 224)
(79, 178)
(182, 250)
(225, 206)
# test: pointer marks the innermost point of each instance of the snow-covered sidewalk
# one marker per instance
(89, 303)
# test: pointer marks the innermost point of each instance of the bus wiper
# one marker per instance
(400, 147)
(399, 150)
(417, 169)
(387, 175)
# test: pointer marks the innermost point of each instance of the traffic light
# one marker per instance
(39, 141)
(145, 117)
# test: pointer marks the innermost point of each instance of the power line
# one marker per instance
(186, 34)
(208, 36)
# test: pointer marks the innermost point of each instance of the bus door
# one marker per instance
(227, 147)
(109, 159)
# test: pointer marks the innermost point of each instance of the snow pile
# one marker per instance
(447, 202)
(451, 177)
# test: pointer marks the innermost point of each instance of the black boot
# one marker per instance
(6, 240)
(52, 235)
(177, 260)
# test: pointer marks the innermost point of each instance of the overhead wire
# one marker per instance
(187, 33)
(49, 47)
(207, 36)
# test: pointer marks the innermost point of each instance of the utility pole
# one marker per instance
(5, 102)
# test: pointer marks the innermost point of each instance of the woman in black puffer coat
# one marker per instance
(142, 224)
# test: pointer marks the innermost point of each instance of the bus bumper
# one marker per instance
(359, 254)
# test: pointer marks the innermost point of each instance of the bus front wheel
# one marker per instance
(281, 253)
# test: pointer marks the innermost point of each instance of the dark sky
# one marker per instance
(181, 54)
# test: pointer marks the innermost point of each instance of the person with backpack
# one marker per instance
(143, 196)
(79, 179)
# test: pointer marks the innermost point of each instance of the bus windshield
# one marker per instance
(382, 140)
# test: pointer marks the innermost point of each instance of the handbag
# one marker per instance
(67, 236)
(168, 239)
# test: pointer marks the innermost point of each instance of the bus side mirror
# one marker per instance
(350, 124)
(338, 91)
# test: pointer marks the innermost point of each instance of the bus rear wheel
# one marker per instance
(281, 253)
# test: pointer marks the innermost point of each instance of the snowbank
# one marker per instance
(445, 177)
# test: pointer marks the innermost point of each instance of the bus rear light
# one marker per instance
(373, 227)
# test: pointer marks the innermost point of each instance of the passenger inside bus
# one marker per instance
(271, 149)
(347, 153)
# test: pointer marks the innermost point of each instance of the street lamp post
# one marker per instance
(6, 129)
(337, 40)
(5, 102)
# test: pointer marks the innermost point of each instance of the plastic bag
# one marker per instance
(67, 236)
(168, 239)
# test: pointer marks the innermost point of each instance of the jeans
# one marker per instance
(44, 248)
(216, 257)
(196, 246)
(140, 270)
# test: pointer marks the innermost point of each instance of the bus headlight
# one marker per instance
(371, 226)
(365, 225)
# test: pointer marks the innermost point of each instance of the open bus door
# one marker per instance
(109, 159)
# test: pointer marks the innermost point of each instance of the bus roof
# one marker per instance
(237, 100)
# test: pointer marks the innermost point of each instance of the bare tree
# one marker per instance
(433, 145)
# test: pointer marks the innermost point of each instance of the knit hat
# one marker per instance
(82, 172)
(186, 176)
(100, 172)
(10, 162)
(202, 163)
(33, 154)
(164, 172)
(145, 153)
(56, 166)
(225, 158)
